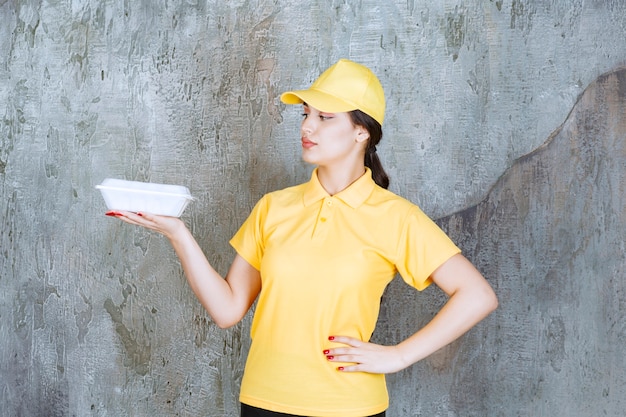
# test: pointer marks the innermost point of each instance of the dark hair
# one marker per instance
(375, 130)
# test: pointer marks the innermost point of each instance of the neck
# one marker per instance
(335, 180)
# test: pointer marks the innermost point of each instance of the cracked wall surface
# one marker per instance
(505, 122)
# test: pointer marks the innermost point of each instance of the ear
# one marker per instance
(362, 135)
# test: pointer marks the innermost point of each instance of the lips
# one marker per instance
(307, 144)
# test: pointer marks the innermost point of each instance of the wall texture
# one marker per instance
(505, 121)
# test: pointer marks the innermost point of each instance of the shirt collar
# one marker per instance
(354, 195)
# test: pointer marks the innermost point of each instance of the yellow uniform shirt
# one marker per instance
(325, 262)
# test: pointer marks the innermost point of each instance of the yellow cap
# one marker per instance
(343, 87)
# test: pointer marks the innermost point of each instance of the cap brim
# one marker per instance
(318, 100)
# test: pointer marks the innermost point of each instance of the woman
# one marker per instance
(319, 255)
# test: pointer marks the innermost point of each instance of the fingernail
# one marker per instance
(326, 352)
(331, 337)
(112, 213)
(330, 358)
(139, 214)
(340, 368)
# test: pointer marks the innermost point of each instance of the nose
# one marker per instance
(307, 126)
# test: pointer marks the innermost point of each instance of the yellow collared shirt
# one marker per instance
(325, 262)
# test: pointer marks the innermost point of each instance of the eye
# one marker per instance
(305, 115)
(325, 117)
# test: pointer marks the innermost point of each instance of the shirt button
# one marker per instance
(329, 203)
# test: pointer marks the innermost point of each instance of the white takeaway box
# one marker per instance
(146, 197)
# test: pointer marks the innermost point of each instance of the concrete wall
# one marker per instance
(487, 129)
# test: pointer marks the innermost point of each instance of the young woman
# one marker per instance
(318, 257)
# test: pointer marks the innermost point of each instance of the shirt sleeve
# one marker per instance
(422, 248)
(248, 241)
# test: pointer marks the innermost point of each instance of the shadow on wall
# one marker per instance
(550, 236)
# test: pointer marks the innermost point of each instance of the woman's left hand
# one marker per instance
(365, 356)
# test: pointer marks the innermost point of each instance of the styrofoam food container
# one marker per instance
(147, 197)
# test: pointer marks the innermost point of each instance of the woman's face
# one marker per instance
(330, 138)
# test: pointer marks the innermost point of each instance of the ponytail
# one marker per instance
(372, 161)
(379, 175)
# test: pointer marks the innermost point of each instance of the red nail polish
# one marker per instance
(326, 352)
(139, 214)
(331, 337)
(330, 357)
(109, 213)
(340, 368)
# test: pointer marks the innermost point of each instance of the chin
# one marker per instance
(308, 159)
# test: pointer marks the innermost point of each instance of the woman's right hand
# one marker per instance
(166, 225)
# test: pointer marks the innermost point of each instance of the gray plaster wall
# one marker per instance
(505, 122)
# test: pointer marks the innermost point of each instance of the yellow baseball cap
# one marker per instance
(343, 87)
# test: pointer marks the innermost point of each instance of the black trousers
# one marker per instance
(249, 411)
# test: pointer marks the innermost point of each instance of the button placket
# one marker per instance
(326, 211)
